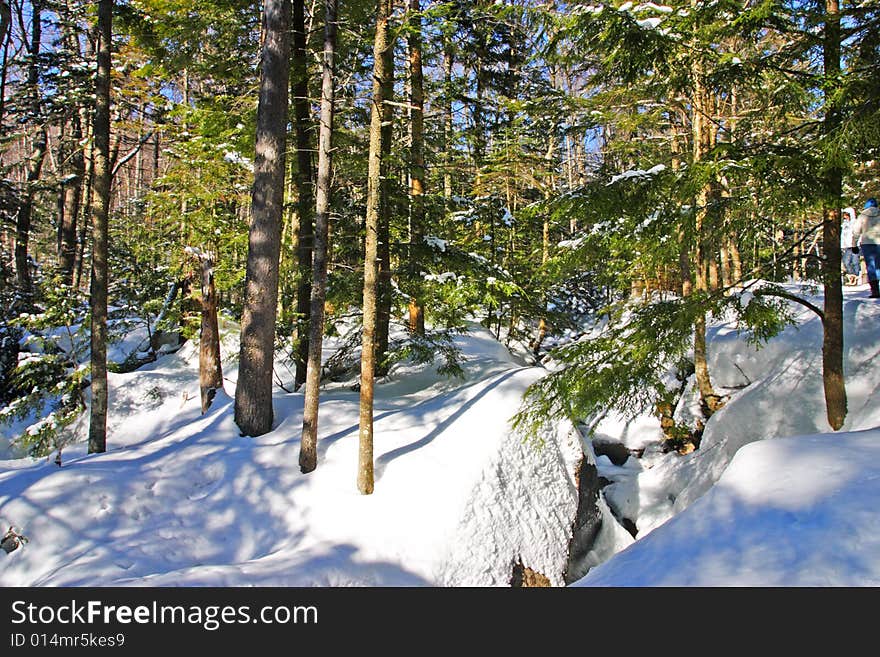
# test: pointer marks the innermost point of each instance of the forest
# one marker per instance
(334, 200)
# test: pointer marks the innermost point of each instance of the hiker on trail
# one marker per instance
(866, 238)
(848, 259)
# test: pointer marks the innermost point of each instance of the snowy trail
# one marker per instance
(184, 500)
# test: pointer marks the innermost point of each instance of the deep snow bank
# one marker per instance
(799, 511)
(774, 391)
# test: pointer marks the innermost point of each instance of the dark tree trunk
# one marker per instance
(308, 455)
(71, 199)
(210, 369)
(100, 220)
(253, 394)
(368, 346)
(305, 195)
(832, 338)
(34, 164)
(5, 22)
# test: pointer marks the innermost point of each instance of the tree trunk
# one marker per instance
(447, 121)
(34, 163)
(253, 394)
(702, 138)
(832, 338)
(386, 201)
(5, 22)
(368, 360)
(210, 368)
(303, 180)
(417, 169)
(100, 228)
(308, 455)
(72, 197)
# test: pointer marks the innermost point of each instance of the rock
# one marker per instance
(617, 453)
(587, 521)
(525, 577)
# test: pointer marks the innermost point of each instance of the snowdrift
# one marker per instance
(753, 507)
(799, 511)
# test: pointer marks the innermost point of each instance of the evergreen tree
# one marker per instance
(253, 394)
(308, 458)
(100, 230)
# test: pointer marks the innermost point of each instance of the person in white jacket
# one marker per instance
(866, 239)
(848, 259)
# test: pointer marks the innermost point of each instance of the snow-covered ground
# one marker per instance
(770, 498)
(797, 508)
(183, 499)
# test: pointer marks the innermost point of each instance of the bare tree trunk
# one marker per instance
(210, 368)
(832, 337)
(702, 138)
(417, 168)
(303, 180)
(383, 281)
(5, 23)
(447, 121)
(72, 197)
(253, 394)
(736, 261)
(308, 455)
(100, 229)
(34, 162)
(368, 360)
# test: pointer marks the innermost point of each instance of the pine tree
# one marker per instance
(368, 342)
(308, 457)
(253, 393)
(417, 167)
(303, 184)
(100, 230)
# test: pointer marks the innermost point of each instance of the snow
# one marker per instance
(771, 498)
(637, 173)
(797, 511)
(182, 499)
(436, 243)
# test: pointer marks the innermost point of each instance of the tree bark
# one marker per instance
(5, 33)
(448, 57)
(34, 162)
(386, 201)
(702, 144)
(100, 229)
(253, 394)
(210, 368)
(303, 181)
(368, 360)
(832, 337)
(71, 199)
(417, 169)
(308, 455)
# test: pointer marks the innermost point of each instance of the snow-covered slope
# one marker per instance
(798, 511)
(182, 499)
(784, 511)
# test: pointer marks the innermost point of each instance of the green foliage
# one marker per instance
(626, 365)
(428, 349)
(48, 376)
